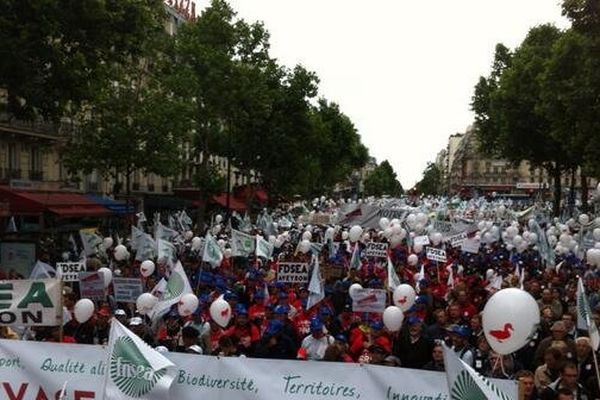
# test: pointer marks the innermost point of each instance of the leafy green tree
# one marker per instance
(56, 54)
(133, 124)
(510, 121)
(383, 181)
(432, 182)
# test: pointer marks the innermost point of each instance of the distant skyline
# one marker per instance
(402, 71)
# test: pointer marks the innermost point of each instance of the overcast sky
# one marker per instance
(403, 71)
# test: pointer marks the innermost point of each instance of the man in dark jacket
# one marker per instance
(413, 349)
(276, 343)
(568, 381)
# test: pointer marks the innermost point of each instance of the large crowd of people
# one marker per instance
(271, 318)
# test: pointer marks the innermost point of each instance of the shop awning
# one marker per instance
(234, 204)
(64, 205)
(251, 191)
(116, 206)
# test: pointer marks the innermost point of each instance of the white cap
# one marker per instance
(120, 311)
(135, 321)
(161, 349)
(195, 349)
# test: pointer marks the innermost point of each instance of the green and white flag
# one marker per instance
(165, 233)
(146, 249)
(212, 251)
(242, 244)
(466, 384)
(392, 277)
(546, 251)
(263, 248)
(177, 285)
(135, 371)
(584, 316)
(90, 241)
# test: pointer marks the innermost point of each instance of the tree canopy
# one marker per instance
(383, 181)
(432, 181)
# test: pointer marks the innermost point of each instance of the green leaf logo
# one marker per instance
(174, 288)
(130, 371)
(465, 388)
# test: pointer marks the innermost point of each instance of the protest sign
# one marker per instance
(290, 272)
(91, 285)
(434, 254)
(69, 271)
(458, 239)
(471, 246)
(421, 240)
(39, 370)
(332, 272)
(369, 300)
(127, 290)
(376, 249)
(30, 302)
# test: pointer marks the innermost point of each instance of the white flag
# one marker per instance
(212, 251)
(12, 226)
(242, 244)
(165, 233)
(90, 241)
(316, 291)
(465, 383)
(42, 270)
(177, 285)
(263, 248)
(134, 369)
(392, 278)
(420, 277)
(355, 262)
(165, 251)
(450, 282)
(159, 288)
(584, 316)
(146, 249)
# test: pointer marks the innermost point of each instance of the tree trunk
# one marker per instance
(584, 191)
(200, 218)
(556, 173)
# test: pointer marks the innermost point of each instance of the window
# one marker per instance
(13, 156)
(36, 160)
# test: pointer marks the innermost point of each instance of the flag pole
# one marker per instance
(60, 315)
(596, 367)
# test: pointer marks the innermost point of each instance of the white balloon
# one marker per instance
(532, 238)
(222, 243)
(145, 303)
(227, 253)
(196, 243)
(65, 256)
(388, 232)
(83, 310)
(121, 253)
(404, 297)
(419, 227)
(507, 332)
(216, 229)
(188, 235)
(413, 260)
(107, 242)
(187, 304)
(436, 238)
(422, 218)
(220, 312)
(392, 318)
(107, 275)
(219, 218)
(417, 248)
(353, 289)
(355, 233)
(306, 235)
(596, 233)
(411, 220)
(365, 237)
(345, 235)
(304, 246)
(584, 219)
(384, 223)
(147, 268)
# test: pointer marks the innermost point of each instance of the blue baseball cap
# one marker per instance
(275, 326)
(240, 309)
(316, 325)
(282, 295)
(412, 320)
(281, 310)
(325, 311)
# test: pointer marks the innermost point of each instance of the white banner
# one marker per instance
(35, 369)
(434, 254)
(376, 249)
(69, 271)
(30, 302)
(290, 272)
(369, 300)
